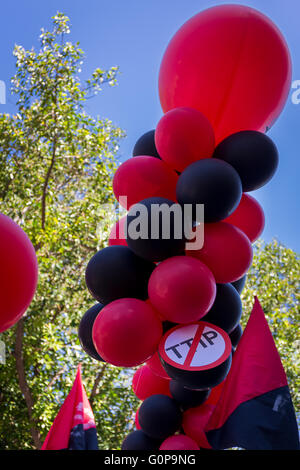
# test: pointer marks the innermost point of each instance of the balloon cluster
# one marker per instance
(166, 305)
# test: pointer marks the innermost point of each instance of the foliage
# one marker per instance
(56, 166)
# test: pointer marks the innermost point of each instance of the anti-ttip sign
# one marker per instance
(198, 355)
(195, 347)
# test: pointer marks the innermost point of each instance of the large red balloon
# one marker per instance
(231, 63)
(226, 251)
(143, 177)
(183, 136)
(126, 332)
(249, 217)
(117, 233)
(179, 442)
(182, 289)
(194, 422)
(18, 272)
(145, 383)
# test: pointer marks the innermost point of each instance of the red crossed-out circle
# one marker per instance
(197, 337)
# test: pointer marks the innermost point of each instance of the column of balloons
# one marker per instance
(166, 305)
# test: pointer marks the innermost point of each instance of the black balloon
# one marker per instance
(167, 325)
(160, 416)
(153, 243)
(213, 183)
(138, 440)
(116, 272)
(235, 335)
(145, 145)
(85, 331)
(187, 398)
(240, 283)
(253, 155)
(207, 378)
(226, 310)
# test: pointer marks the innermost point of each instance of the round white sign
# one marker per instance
(195, 346)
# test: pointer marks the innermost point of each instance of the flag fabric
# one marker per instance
(255, 410)
(74, 427)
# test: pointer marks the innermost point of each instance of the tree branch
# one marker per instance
(48, 175)
(54, 379)
(24, 387)
(96, 383)
(46, 182)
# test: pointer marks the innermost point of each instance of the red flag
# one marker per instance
(255, 410)
(74, 427)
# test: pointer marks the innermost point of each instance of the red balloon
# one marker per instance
(143, 177)
(145, 383)
(249, 217)
(231, 63)
(158, 314)
(18, 272)
(183, 136)
(226, 251)
(179, 442)
(126, 332)
(194, 422)
(155, 365)
(117, 233)
(181, 289)
(136, 420)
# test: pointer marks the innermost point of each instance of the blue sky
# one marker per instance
(133, 34)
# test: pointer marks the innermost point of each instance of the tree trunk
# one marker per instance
(96, 383)
(20, 365)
